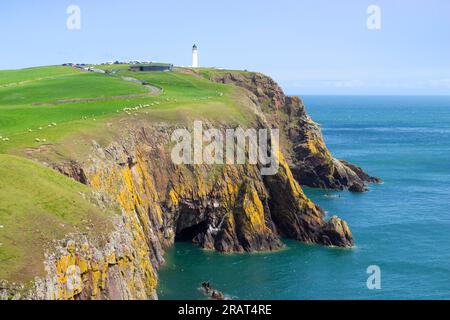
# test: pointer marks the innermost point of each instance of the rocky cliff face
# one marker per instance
(226, 208)
(117, 267)
(229, 208)
(311, 162)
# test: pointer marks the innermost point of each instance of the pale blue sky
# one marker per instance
(309, 47)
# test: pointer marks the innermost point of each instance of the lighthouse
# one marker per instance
(194, 57)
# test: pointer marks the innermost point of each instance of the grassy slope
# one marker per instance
(208, 73)
(38, 204)
(18, 116)
(78, 85)
(22, 76)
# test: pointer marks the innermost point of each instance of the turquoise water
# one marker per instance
(403, 225)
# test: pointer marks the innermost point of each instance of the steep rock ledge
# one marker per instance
(299, 218)
(311, 162)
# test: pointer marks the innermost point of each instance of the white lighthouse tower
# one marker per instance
(194, 57)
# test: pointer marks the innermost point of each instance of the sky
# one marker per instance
(309, 47)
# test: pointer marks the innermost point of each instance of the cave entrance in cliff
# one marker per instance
(188, 234)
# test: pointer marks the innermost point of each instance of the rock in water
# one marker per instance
(212, 293)
(336, 232)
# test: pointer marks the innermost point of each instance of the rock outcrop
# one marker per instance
(299, 218)
(311, 162)
(212, 293)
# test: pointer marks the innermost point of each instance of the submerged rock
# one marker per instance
(212, 293)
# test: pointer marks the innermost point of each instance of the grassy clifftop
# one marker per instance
(33, 100)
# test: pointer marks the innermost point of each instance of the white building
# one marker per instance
(194, 57)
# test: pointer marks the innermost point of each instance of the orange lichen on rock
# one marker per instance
(84, 272)
(253, 209)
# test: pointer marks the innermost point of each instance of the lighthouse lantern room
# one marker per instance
(194, 57)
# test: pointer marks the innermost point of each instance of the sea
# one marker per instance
(401, 227)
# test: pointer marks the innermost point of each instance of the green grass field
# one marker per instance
(78, 85)
(22, 76)
(38, 204)
(24, 116)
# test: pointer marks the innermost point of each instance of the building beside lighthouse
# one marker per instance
(194, 57)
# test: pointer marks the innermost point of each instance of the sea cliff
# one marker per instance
(228, 208)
